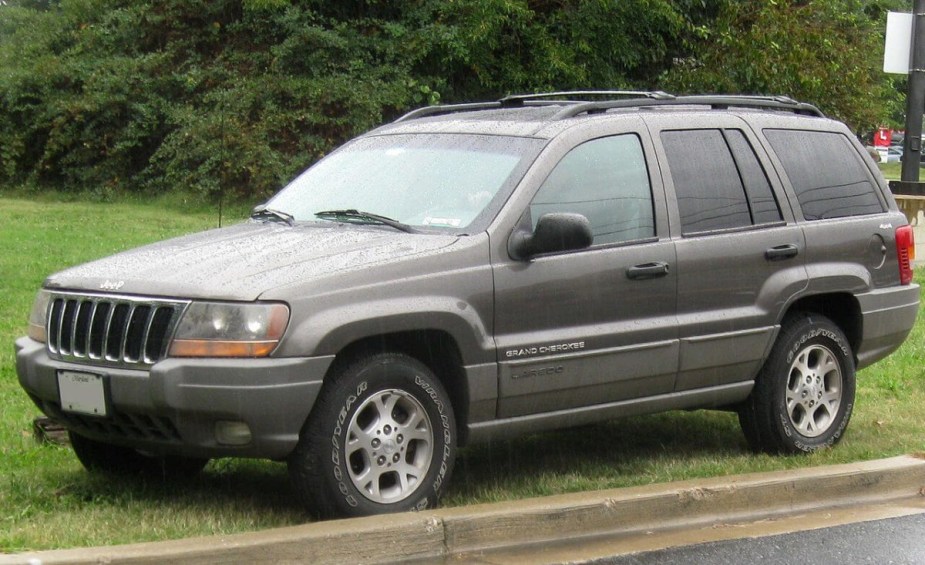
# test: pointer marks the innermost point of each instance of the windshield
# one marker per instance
(424, 180)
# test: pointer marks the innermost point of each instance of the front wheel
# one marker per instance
(381, 438)
(804, 394)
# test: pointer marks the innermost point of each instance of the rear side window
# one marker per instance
(718, 181)
(827, 174)
(606, 181)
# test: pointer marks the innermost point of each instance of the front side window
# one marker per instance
(606, 181)
(441, 181)
(827, 175)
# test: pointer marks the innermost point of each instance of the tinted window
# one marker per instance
(761, 199)
(827, 175)
(606, 181)
(706, 181)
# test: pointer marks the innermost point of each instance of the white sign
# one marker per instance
(897, 55)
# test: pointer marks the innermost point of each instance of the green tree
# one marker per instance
(239, 95)
(828, 53)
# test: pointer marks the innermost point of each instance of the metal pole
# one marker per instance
(915, 98)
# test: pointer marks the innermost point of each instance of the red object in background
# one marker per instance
(883, 137)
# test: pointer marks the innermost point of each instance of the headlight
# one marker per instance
(215, 329)
(37, 317)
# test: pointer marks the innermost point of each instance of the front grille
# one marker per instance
(121, 331)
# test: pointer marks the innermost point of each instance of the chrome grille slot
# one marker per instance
(122, 331)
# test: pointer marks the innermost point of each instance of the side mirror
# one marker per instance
(554, 233)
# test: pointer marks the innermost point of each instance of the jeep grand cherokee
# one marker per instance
(484, 270)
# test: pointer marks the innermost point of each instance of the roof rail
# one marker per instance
(629, 99)
(425, 111)
(516, 100)
(716, 102)
(520, 100)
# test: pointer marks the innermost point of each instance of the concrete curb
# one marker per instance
(454, 532)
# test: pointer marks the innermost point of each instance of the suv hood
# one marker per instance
(243, 261)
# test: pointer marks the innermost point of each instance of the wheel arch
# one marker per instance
(841, 308)
(437, 349)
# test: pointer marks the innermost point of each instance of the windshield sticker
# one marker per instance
(450, 222)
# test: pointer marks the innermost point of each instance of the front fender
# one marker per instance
(329, 330)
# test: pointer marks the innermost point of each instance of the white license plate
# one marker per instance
(84, 393)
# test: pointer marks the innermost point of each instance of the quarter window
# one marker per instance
(827, 174)
(606, 181)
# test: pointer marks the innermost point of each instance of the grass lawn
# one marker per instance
(48, 501)
(891, 171)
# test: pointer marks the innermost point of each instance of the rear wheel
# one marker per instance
(804, 394)
(381, 438)
(97, 456)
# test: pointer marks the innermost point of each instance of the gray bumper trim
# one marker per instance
(888, 315)
(273, 396)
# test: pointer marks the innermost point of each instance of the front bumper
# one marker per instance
(174, 407)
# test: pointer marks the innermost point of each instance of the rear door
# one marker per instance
(740, 254)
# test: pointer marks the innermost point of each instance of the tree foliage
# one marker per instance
(239, 95)
(829, 53)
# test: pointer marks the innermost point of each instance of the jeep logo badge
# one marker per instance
(112, 285)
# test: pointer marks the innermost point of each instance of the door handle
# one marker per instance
(781, 252)
(647, 271)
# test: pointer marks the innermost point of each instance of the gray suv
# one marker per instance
(480, 271)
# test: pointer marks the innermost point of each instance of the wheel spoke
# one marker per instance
(821, 418)
(362, 476)
(408, 475)
(385, 404)
(805, 425)
(392, 401)
(827, 363)
(831, 400)
(418, 429)
(359, 438)
(370, 483)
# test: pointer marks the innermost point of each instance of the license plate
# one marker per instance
(84, 393)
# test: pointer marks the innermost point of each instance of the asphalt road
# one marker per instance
(881, 542)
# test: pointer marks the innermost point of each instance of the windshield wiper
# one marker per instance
(364, 218)
(261, 212)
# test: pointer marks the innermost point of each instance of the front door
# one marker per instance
(596, 325)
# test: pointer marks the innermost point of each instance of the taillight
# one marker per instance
(905, 250)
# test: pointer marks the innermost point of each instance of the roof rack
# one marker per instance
(521, 100)
(516, 100)
(715, 102)
(628, 99)
(447, 109)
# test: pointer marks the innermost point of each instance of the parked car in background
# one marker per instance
(894, 154)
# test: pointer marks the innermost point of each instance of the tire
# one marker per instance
(99, 457)
(804, 394)
(381, 438)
